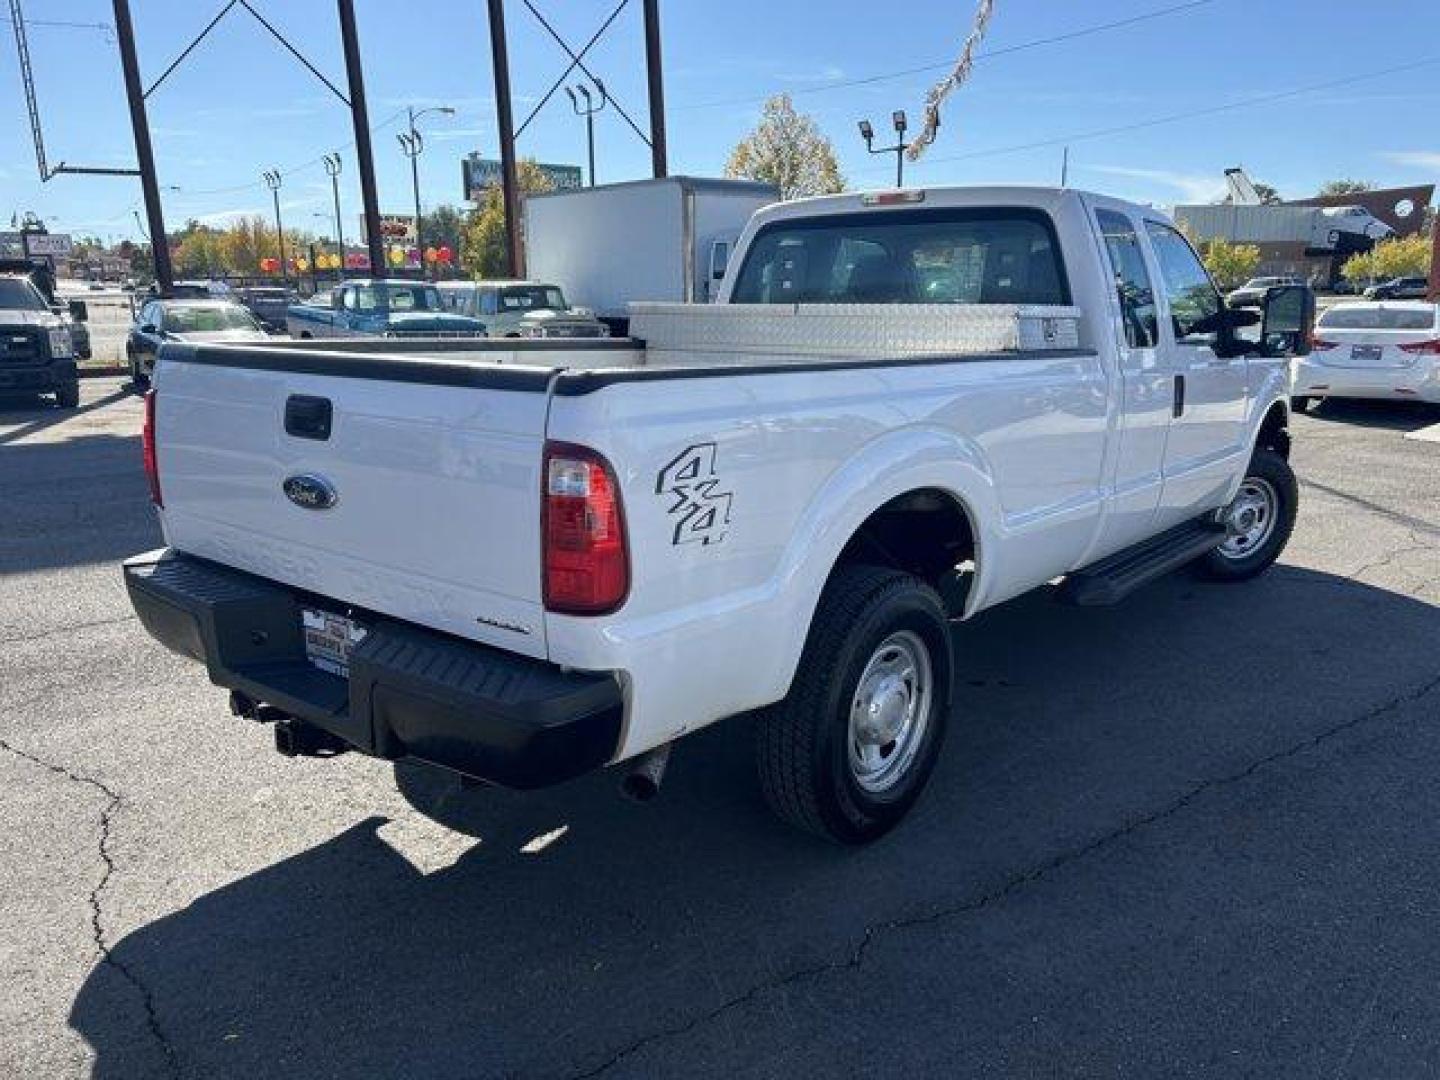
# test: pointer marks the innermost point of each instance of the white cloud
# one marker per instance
(827, 73)
(1193, 187)
(1415, 159)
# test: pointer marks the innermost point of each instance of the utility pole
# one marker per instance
(654, 71)
(144, 153)
(360, 116)
(509, 180)
(332, 167)
(273, 180)
(588, 111)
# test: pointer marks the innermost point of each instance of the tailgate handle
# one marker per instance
(308, 417)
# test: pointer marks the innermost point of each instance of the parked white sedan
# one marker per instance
(1389, 349)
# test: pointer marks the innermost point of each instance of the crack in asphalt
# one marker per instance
(97, 917)
(856, 957)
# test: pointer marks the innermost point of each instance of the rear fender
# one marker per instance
(892, 465)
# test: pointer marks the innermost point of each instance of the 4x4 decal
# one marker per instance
(700, 509)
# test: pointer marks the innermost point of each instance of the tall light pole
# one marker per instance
(273, 180)
(588, 111)
(412, 146)
(898, 119)
(332, 167)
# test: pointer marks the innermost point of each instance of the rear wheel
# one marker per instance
(67, 395)
(1258, 520)
(849, 750)
(138, 378)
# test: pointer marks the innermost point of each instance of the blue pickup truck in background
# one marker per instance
(379, 309)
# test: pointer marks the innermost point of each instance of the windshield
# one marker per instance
(951, 256)
(531, 298)
(17, 294)
(398, 297)
(1378, 318)
(200, 320)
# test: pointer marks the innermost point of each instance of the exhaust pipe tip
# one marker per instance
(642, 780)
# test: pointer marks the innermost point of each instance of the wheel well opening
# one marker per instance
(1274, 430)
(926, 533)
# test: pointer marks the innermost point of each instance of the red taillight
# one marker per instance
(587, 569)
(1423, 348)
(1319, 344)
(147, 443)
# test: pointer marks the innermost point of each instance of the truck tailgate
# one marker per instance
(434, 485)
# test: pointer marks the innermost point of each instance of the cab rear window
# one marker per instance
(944, 256)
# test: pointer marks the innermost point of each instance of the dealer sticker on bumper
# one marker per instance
(329, 640)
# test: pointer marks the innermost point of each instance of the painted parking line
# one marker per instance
(1426, 434)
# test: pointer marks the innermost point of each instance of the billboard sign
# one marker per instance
(478, 173)
(49, 244)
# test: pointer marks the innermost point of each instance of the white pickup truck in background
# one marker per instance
(524, 560)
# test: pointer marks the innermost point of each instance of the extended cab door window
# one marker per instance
(1194, 303)
(1132, 279)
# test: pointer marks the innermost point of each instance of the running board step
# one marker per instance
(1115, 577)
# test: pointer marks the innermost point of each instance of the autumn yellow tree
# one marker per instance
(788, 150)
(484, 241)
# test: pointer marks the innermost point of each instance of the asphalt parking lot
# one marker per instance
(1192, 835)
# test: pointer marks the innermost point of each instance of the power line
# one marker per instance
(924, 69)
(290, 170)
(1119, 129)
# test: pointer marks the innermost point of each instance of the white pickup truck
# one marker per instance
(524, 560)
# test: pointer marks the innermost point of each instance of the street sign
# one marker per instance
(478, 173)
(49, 243)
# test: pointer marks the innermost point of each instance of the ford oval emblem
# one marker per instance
(310, 492)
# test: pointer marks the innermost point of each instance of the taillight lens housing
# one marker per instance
(147, 444)
(586, 563)
(1423, 348)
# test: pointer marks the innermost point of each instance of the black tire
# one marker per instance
(67, 395)
(803, 743)
(1273, 472)
(138, 379)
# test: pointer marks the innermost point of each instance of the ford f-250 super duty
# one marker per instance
(525, 560)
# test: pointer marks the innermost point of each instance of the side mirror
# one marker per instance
(79, 311)
(1287, 318)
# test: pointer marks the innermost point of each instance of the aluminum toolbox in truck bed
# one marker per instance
(860, 330)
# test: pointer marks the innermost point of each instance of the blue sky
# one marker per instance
(240, 104)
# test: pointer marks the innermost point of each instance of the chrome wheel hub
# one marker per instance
(1250, 518)
(890, 711)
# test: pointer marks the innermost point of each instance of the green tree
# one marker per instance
(788, 150)
(1230, 264)
(1402, 256)
(484, 243)
(1345, 186)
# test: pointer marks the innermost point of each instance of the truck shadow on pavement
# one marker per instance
(81, 500)
(638, 928)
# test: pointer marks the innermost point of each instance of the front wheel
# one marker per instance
(67, 395)
(848, 751)
(1258, 521)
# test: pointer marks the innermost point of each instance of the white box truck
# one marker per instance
(666, 239)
